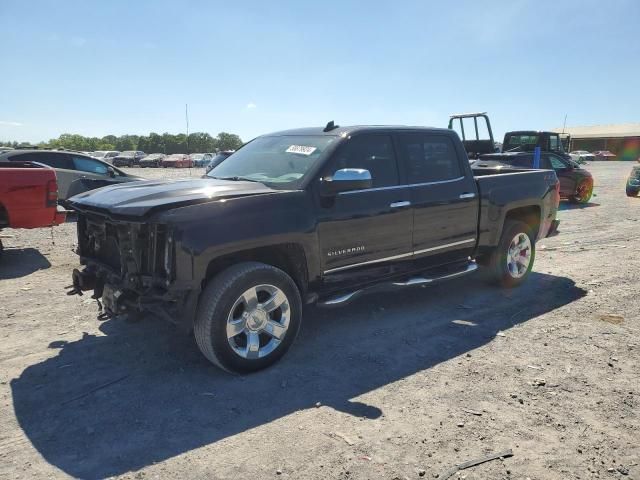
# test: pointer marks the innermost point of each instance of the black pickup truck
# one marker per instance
(316, 215)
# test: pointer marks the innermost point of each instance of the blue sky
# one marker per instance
(251, 67)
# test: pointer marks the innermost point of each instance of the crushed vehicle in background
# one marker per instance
(153, 160)
(177, 160)
(28, 196)
(130, 158)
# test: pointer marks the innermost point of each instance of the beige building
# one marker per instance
(621, 139)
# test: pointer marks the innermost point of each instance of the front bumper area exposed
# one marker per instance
(175, 304)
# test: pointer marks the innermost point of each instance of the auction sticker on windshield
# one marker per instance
(301, 149)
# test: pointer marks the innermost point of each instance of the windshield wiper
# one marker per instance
(238, 179)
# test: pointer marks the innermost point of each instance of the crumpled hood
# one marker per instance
(140, 198)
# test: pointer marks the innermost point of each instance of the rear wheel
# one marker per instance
(583, 192)
(512, 260)
(248, 317)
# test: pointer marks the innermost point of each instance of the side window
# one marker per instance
(53, 159)
(24, 157)
(88, 165)
(429, 158)
(371, 152)
(556, 163)
(554, 143)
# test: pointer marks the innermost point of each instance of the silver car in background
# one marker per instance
(582, 156)
(76, 172)
(105, 155)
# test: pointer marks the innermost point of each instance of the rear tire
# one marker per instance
(583, 193)
(511, 261)
(248, 317)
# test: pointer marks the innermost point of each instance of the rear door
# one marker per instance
(443, 195)
(365, 234)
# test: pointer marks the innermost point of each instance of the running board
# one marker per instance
(347, 297)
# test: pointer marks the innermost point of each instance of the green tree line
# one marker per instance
(198, 142)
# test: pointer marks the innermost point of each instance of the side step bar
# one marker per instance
(347, 297)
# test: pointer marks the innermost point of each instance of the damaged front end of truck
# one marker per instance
(131, 268)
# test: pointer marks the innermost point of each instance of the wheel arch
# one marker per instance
(288, 257)
(531, 215)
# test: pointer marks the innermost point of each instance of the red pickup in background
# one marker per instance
(28, 196)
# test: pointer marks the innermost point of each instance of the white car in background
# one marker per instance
(581, 156)
(105, 155)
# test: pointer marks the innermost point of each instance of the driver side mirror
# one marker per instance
(111, 172)
(345, 180)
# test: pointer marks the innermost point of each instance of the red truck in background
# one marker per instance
(28, 196)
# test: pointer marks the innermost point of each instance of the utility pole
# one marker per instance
(186, 117)
(565, 123)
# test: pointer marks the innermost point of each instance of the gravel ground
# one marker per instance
(404, 385)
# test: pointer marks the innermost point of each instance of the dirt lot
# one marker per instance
(393, 386)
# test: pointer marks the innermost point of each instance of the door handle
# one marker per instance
(467, 195)
(400, 204)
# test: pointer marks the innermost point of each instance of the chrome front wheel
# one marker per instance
(258, 321)
(248, 317)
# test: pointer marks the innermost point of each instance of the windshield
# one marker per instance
(281, 162)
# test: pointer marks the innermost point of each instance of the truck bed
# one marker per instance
(28, 194)
(497, 187)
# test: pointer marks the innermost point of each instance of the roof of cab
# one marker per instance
(352, 129)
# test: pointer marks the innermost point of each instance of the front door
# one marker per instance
(365, 234)
(565, 176)
(443, 196)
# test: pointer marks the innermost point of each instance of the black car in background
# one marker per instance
(153, 160)
(633, 182)
(576, 183)
(129, 158)
(218, 159)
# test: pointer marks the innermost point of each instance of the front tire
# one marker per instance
(248, 317)
(632, 192)
(512, 260)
